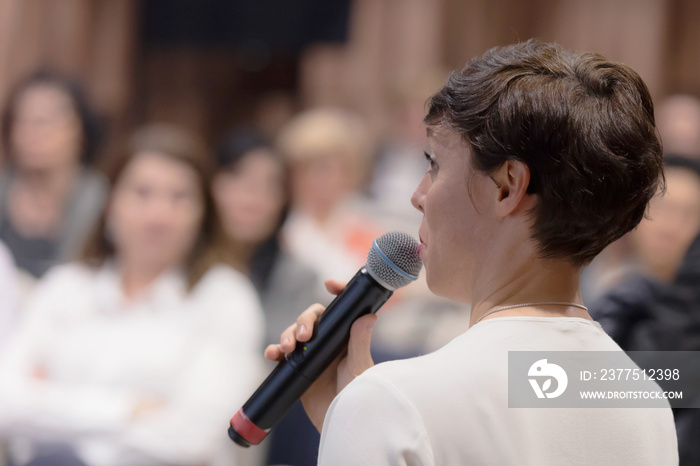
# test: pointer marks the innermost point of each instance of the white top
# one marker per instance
(85, 355)
(9, 295)
(450, 407)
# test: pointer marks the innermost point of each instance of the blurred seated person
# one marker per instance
(49, 198)
(654, 250)
(329, 153)
(646, 315)
(660, 243)
(251, 190)
(138, 354)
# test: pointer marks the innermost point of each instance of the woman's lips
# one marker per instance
(422, 245)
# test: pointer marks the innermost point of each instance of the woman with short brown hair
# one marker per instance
(539, 158)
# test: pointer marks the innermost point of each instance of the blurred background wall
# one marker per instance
(229, 61)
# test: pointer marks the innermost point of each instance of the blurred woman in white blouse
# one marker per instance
(138, 354)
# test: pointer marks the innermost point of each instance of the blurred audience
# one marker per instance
(678, 120)
(49, 198)
(251, 189)
(139, 353)
(329, 151)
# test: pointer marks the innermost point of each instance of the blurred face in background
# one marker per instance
(156, 212)
(251, 196)
(46, 131)
(320, 182)
(662, 241)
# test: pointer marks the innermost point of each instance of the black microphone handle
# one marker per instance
(295, 374)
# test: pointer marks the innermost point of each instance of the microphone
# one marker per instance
(392, 262)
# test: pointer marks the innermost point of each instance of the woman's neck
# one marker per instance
(514, 279)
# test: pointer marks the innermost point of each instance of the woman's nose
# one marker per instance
(419, 194)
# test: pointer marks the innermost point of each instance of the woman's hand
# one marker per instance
(342, 371)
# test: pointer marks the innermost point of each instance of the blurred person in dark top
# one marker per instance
(656, 247)
(661, 241)
(647, 315)
(659, 246)
(137, 354)
(49, 198)
(251, 190)
(659, 308)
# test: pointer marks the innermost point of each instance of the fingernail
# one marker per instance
(301, 329)
(285, 340)
(371, 324)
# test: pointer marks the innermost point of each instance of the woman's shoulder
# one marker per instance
(226, 287)
(64, 290)
(227, 302)
(71, 275)
(224, 278)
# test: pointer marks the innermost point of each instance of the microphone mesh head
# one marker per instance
(393, 260)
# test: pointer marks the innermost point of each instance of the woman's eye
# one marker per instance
(431, 162)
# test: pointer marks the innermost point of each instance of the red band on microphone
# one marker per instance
(246, 428)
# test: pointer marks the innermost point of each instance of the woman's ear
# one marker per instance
(512, 179)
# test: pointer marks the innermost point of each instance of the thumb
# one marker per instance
(359, 358)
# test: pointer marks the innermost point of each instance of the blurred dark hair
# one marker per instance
(178, 145)
(237, 143)
(93, 134)
(234, 147)
(583, 125)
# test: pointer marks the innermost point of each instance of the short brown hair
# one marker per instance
(583, 125)
(183, 147)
